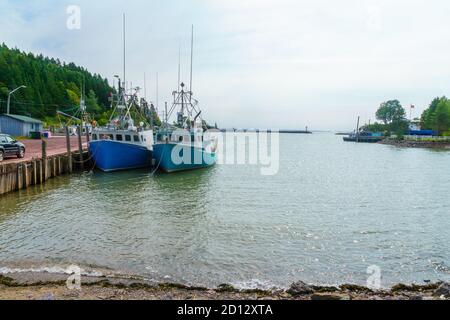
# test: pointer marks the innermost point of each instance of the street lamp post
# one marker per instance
(9, 97)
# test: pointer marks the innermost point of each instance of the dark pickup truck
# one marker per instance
(10, 147)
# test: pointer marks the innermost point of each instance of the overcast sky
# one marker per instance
(258, 63)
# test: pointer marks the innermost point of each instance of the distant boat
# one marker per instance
(343, 133)
(365, 137)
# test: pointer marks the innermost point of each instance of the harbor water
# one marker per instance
(333, 210)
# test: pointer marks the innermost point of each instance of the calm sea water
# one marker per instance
(333, 210)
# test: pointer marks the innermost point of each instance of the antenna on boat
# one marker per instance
(192, 60)
(157, 91)
(124, 49)
(166, 116)
(179, 67)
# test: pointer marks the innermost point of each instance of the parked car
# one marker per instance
(10, 147)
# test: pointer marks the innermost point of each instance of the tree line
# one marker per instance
(51, 85)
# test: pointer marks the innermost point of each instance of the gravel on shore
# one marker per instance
(54, 287)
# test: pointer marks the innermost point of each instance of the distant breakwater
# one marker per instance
(268, 130)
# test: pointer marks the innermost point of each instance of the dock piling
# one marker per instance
(44, 158)
(80, 147)
(69, 153)
(35, 181)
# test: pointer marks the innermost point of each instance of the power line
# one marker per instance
(40, 105)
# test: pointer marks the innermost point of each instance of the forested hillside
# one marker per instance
(51, 85)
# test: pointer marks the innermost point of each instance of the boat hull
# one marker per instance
(364, 139)
(196, 157)
(110, 156)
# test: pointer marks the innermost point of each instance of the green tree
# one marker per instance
(92, 105)
(393, 116)
(441, 119)
(437, 116)
(427, 119)
(374, 127)
(390, 111)
(74, 98)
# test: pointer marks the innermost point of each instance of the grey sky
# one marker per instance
(258, 63)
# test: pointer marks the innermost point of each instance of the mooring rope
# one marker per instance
(159, 164)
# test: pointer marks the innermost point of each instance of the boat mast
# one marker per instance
(192, 62)
(166, 116)
(357, 130)
(181, 117)
(179, 68)
(124, 49)
(157, 92)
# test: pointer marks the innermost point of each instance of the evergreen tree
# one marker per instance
(51, 85)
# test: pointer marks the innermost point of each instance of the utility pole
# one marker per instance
(9, 98)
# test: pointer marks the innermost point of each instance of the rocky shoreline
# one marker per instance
(442, 145)
(54, 287)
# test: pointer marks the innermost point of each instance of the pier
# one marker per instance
(44, 159)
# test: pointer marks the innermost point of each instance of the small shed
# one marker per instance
(19, 126)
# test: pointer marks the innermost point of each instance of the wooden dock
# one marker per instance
(45, 159)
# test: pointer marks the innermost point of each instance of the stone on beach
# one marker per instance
(443, 290)
(300, 288)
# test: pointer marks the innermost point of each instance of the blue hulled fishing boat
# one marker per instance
(121, 145)
(186, 145)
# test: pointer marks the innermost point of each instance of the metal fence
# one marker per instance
(427, 138)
